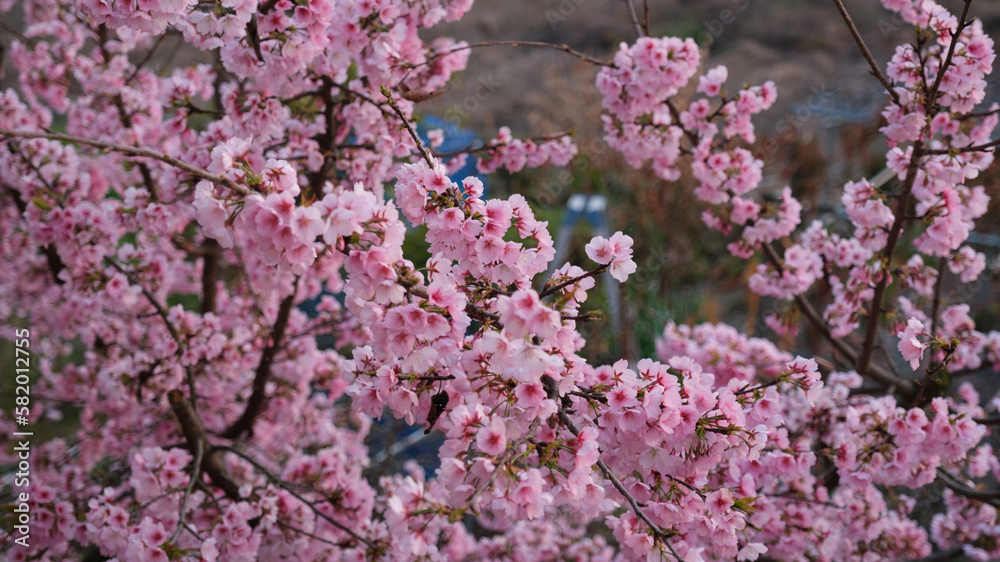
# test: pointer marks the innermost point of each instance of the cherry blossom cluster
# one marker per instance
(869, 442)
(215, 256)
(504, 151)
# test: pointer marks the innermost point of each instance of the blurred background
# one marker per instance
(822, 131)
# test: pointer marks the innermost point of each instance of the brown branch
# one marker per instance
(645, 17)
(199, 456)
(658, 533)
(635, 18)
(556, 288)
(290, 489)
(562, 47)
(326, 140)
(962, 24)
(988, 421)
(194, 432)
(977, 114)
(507, 455)
(676, 115)
(258, 395)
(147, 176)
(406, 123)
(876, 71)
(52, 258)
(266, 7)
(209, 274)
(895, 231)
(938, 286)
(472, 310)
(903, 386)
(875, 310)
(971, 148)
(952, 482)
(130, 151)
(145, 59)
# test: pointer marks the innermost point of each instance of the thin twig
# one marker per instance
(263, 372)
(562, 47)
(359, 95)
(876, 71)
(656, 530)
(194, 432)
(556, 288)
(486, 147)
(472, 310)
(938, 286)
(406, 123)
(145, 58)
(160, 311)
(895, 231)
(903, 386)
(508, 454)
(302, 532)
(635, 18)
(972, 148)
(131, 151)
(962, 24)
(195, 475)
(291, 490)
(952, 482)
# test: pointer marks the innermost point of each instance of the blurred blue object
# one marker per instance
(455, 139)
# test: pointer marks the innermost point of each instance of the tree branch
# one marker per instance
(876, 71)
(258, 395)
(635, 18)
(472, 310)
(875, 310)
(962, 24)
(951, 482)
(130, 151)
(52, 258)
(285, 486)
(406, 123)
(903, 386)
(971, 148)
(508, 454)
(658, 533)
(209, 274)
(562, 47)
(194, 432)
(556, 288)
(199, 455)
